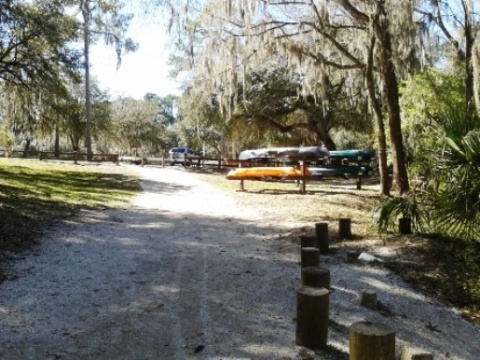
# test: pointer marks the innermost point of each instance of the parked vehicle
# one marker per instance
(176, 155)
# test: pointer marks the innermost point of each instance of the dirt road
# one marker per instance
(181, 274)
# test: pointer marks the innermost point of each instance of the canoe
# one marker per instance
(265, 172)
(292, 153)
(342, 171)
(360, 155)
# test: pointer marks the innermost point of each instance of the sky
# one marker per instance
(141, 72)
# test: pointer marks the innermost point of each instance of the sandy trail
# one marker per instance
(186, 273)
(180, 274)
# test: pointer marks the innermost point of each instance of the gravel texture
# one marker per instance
(185, 272)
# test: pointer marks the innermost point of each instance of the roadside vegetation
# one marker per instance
(34, 194)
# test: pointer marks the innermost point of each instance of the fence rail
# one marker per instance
(69, 156)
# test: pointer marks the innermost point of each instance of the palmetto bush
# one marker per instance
(455, 186)
(448, 198)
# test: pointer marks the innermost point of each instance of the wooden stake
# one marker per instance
(315, 276)
(405, 226)
(368, 299)
(371, 341)
(308, 241)
(310, 256)
(345, 228)
(303, 188)
(411, 353)
(312, 317)
(352, 256)
(323, 237)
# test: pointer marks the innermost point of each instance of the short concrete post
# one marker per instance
(323, 237)
(312, 317)
(315, 276)
(371, 341)
(310, 256)
(308, 241)
(345, 228)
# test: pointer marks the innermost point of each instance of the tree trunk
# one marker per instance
(377, 112)
(57, 141)
(392, 99)
(469, 73)
(27, 147)
(88, 106)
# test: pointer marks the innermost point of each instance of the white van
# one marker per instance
(176, 155)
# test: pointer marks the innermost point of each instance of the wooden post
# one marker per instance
(371, 341)
(323, 237)
(405, 226)
(312, 317)
(352, 256)
(75, 157)
(163, 159)
(368, 299)
(185, 160)
(411, 353)
(242, 184)
(359, 183)
(40, 155)
(303, 188)
(315, 276)
(308, 241)
(310, 256)
(345, 228)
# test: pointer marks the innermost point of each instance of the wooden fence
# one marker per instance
(67, 156)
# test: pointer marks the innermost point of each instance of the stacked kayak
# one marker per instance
(266, 172)
(292, 153)
(353, 155)
(342, 171)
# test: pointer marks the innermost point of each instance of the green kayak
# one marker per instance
(342, 171)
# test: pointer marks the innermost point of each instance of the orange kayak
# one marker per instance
(265, 172)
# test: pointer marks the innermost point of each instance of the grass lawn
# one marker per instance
(33, 194)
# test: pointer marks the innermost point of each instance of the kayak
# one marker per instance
(291, 153)
(342, 171)
(360, 155)
(266, 172)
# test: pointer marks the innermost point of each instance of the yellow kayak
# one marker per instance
(265, 172)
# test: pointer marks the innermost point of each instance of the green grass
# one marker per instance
(34, 194)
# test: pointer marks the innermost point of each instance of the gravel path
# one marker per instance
(184, 273)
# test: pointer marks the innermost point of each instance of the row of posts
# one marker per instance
(367, 340)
